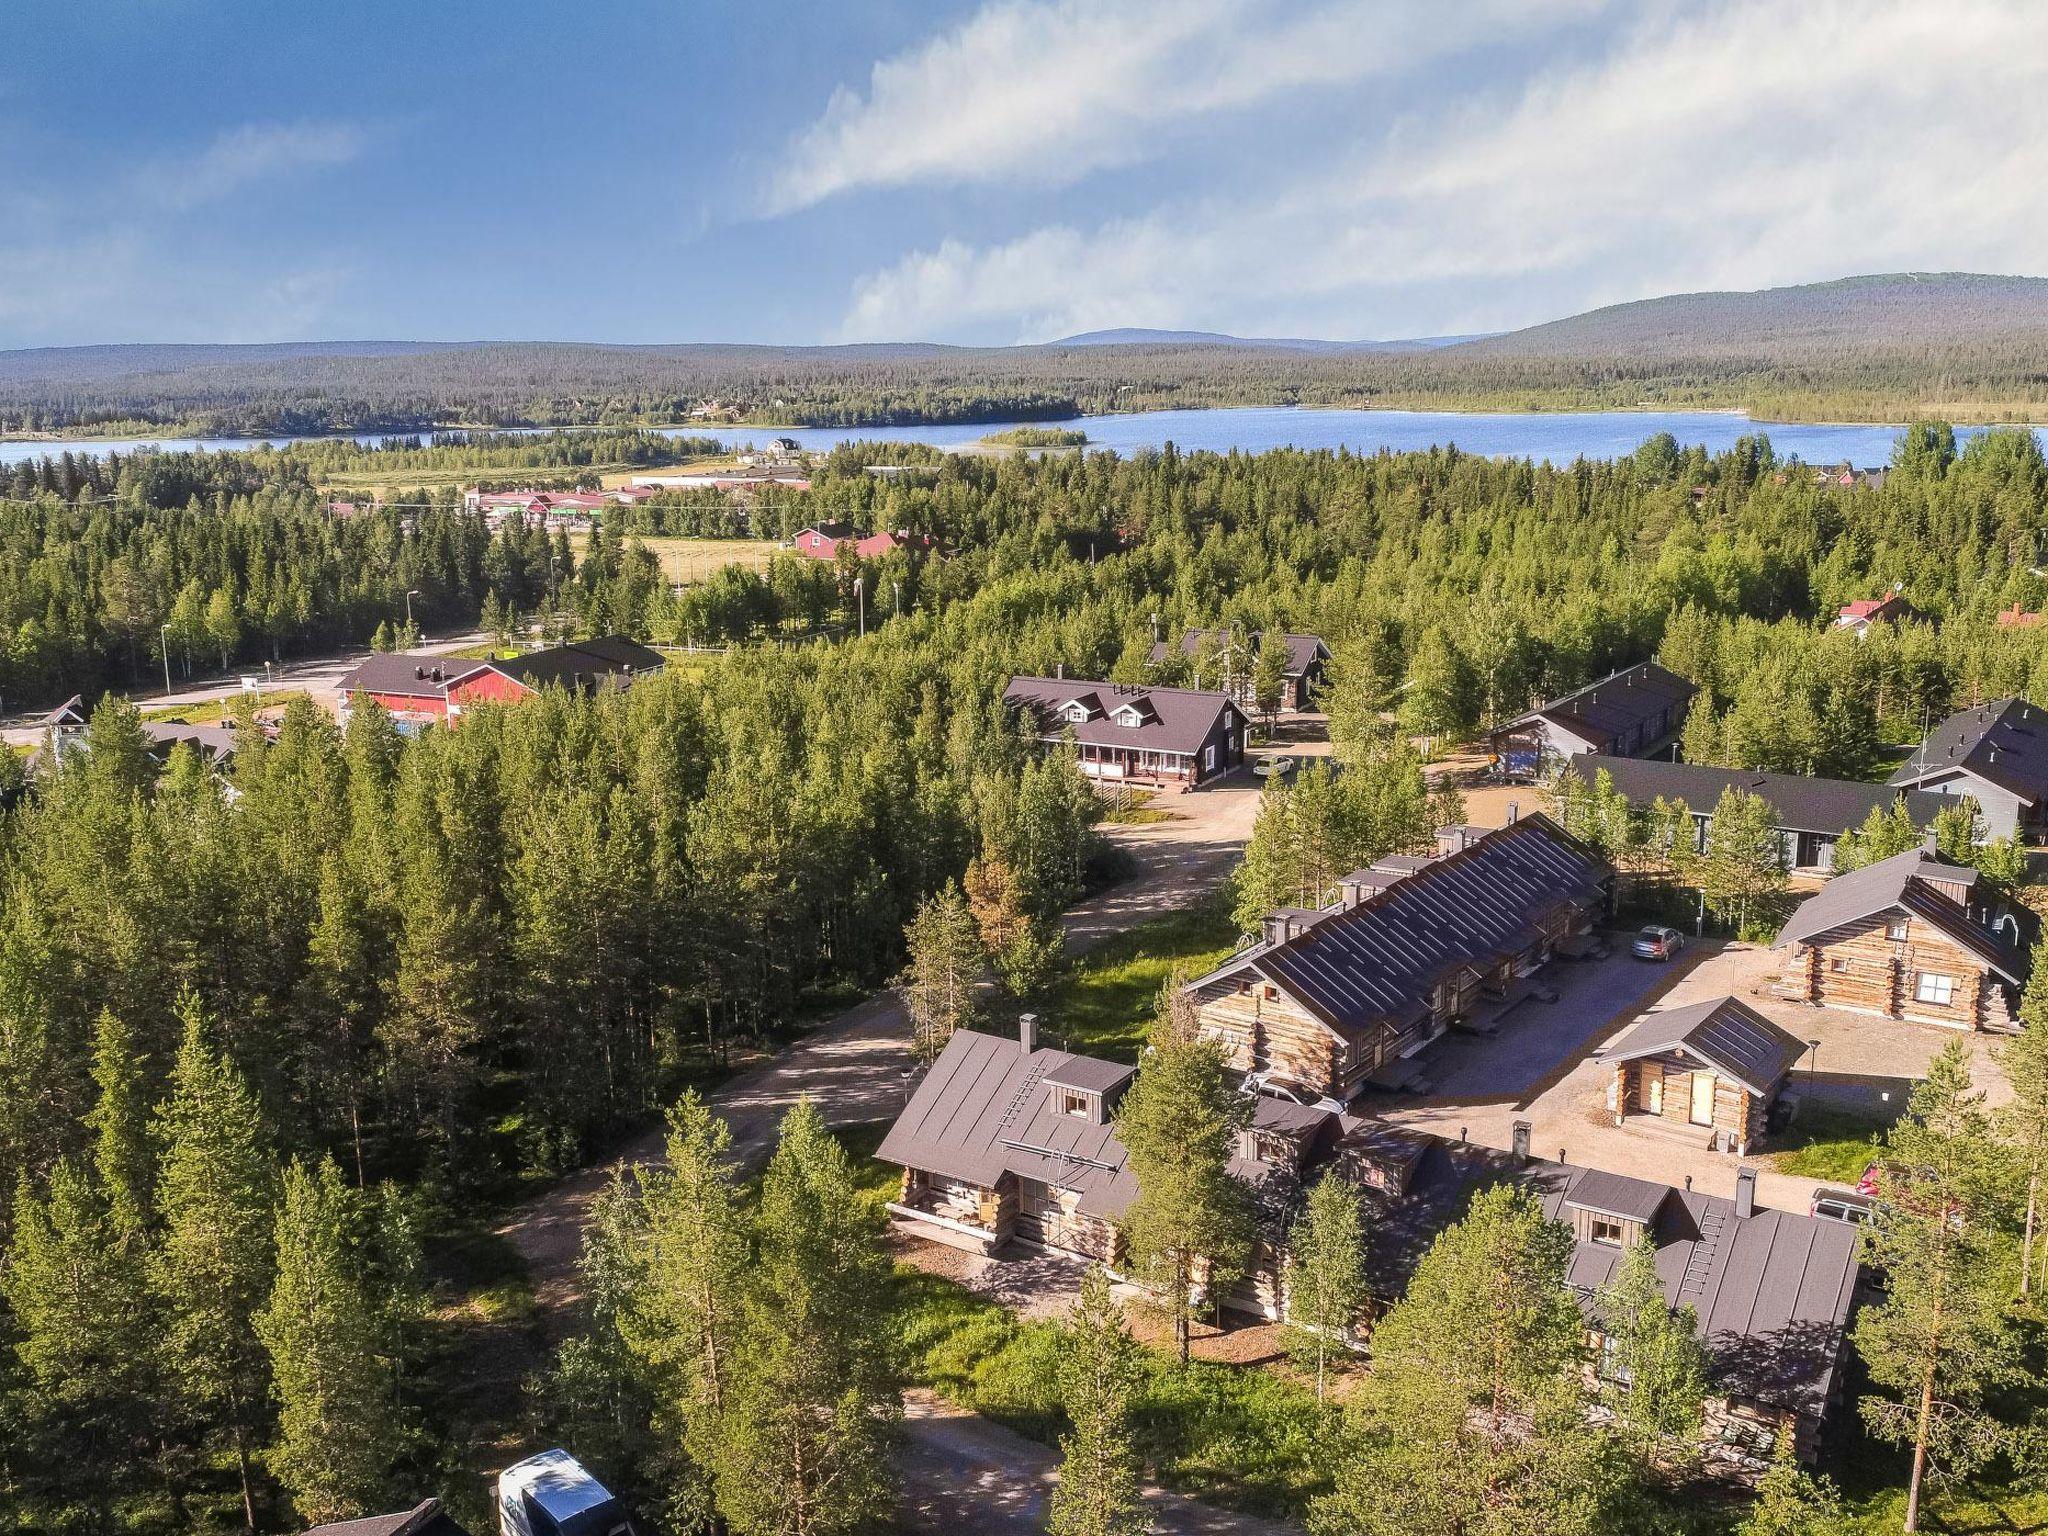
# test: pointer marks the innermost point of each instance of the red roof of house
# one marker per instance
(2014, 618)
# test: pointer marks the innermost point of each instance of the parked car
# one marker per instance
(1273, 767)
(1854, 1207)
(1657, 943)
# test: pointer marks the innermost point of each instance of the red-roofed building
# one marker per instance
(1892, 608)
(419, 690)
(822, 541)
(2015, 618)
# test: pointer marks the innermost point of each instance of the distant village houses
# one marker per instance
(824, 541)
(1892, 608)
(421, 689)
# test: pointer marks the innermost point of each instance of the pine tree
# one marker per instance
(803, 1447)
(1269, 677)
(944, 963)
(1743, 870)
(339, 1432)
(1191, 1222)
(1791, 1503)
(1354, 695)
(216, 1194)
(1654, 1369)
(1100, 1371)
(2024, 1061)
(1942, 1337)
(1473, 1419)
(1884, 832)
(123, 1158)
(1325, 1276)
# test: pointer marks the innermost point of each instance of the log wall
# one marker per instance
(1860, 968)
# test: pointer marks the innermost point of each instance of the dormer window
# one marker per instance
(1074, 709)
(1129, 716)
(1608, 1231)
(1069, 1101)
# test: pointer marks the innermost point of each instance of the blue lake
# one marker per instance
(1557, 436)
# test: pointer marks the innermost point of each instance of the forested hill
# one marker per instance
(1896, 310)
(1890, 348)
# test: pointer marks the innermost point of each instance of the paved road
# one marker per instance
(964, 1473)
(318, 677)
(854, 1067)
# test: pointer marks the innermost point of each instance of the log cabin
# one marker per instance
(1709, 1072)
(1007, 1146)
(1127, 734)
(1909, 937)
(1636, 712)
(1328, 1001)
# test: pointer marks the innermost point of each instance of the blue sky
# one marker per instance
(989, 171)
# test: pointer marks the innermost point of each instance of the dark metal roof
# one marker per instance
(1180, 719)
(216, 743)
(1901, 882)
(1303, 651)
(2004, 743)
(582, 663)
(1602, 711)
(1090, 1074)
(1829, 806)
(427, 1518)
(407, 674)
(1614, 1194)
(1382, 958)
(1724, 1033)
(1772, 1290)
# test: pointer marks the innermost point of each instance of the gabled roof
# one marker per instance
(216, 743)
(1382, 958)
(1828, 806)
(1303, 651)
(1772, 1290)
(1889, 609)
(2004, 742)
(1182, 718)
(1723, 1033)
(1604, 711)
(427, 1518)
(1901, 883)
(582, 663)
(71, 712)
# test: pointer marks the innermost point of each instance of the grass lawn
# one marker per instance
(214, 711)
(1135, 809)
(691, 560)
(1105, 1006)
(1238, 1436)
(1828, 1142)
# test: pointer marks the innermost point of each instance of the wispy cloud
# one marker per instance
(1046, 91)
(1742, 145)
(251, 153)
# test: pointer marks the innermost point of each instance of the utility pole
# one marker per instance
(860, 603)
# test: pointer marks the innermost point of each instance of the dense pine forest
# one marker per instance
(261, 1038)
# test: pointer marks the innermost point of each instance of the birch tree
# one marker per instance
(1326, 1278)
(1100, 1371)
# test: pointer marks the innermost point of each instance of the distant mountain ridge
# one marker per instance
(1138, 336)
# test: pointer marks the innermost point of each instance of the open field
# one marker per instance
(688, 560)
(387, 482)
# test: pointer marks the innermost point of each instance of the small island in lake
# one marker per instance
(1038, 437)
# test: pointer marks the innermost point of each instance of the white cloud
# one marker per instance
(1744, 145)
(251, 153)
(1045, 91)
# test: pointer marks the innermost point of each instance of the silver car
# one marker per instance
(1657, 943)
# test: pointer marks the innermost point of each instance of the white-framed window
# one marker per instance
(1607, 1231)
(1930, 988)
(1611, 1368)
(1895, 929)
(1069, 1101)
(1208, 758)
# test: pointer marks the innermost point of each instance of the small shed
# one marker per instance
(1714, 1067)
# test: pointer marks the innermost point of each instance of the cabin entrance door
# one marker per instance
(1702, 1109)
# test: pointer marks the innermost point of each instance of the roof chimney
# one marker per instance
(1930, 844)
(1027, 1032)
(1521, 1143)
(419, 674)
(1514, 813)
(1745, 1193)
(1059, 670)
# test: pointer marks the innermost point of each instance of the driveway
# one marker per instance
(962, 1473)
(855, 1068)
(1540, 1069)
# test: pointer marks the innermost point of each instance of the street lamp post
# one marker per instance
(410, 594)
(166, 633)
(860, 603)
